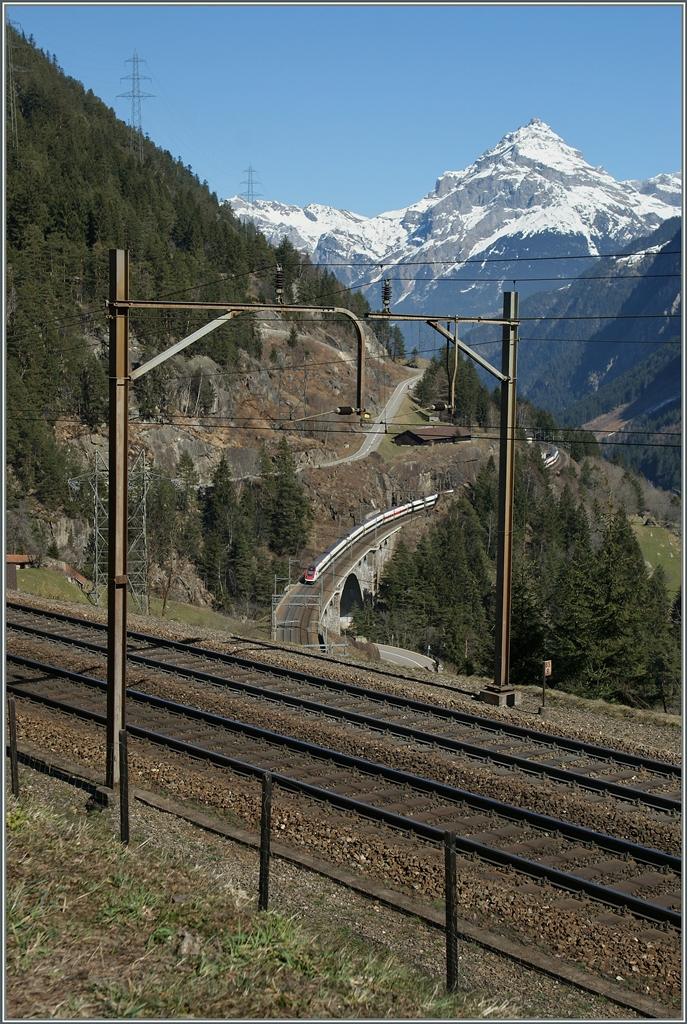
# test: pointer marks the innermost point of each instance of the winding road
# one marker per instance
(373, 438)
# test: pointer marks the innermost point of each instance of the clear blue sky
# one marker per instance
(362, 107)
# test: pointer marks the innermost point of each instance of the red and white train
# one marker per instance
(314, 571)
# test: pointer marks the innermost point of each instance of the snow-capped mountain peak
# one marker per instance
(530, 195)
(535, 144)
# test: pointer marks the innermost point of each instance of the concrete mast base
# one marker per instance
(500, 698)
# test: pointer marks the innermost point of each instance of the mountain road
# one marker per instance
(373, 439)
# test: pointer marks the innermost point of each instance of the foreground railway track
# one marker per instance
(590, 865)
(590, 769)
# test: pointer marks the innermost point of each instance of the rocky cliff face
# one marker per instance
(293, 390)
(341, 495)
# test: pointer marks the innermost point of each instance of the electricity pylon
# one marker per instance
(135, 95)
(250, 195)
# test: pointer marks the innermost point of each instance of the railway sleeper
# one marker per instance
(501, 732)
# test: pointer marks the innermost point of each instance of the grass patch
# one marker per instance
(561, 699)
(47, 583)
(193, 615)
(50, 584)
(93, 931)
(661, 547)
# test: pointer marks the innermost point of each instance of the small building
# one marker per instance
(12, 563)
(75, 577)
(21, 561)
(446, 434)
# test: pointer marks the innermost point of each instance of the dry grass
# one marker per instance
(50, 584)
(561, 699)
(95, 929)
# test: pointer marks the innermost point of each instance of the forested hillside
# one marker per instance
(649, 402)
(474, 404)
(75, 189)
(237, 539)
(582, 593)
(637, 301)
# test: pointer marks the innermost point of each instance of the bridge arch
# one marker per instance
(351, 596)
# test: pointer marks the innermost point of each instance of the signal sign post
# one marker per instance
(545, 673)
(119, 305)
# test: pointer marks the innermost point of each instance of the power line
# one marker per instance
(578, 341)
(248, 422)
(326, 312)
(525, 280)
(277, 425)
(254, 423)
(588, 341)
(604, 316)
(501, 259)
(92, 317)
(293, 367)
(12, 70)
(101, 317)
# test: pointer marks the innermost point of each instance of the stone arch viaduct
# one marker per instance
(314, 615)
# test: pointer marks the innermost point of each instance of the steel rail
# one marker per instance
(539, 769)
(621, 757)
(373, 669)
(267, 644)
(565, 880)
(483, 753)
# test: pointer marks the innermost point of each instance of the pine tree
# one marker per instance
(266, 569)
(221, 512)
(221, 521)
(484, 495)
(265, 499)
(243, 569)
(528, 626)
(621, 612)
(292, 515)
(187, 474)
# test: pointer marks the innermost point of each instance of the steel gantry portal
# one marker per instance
(120, 378)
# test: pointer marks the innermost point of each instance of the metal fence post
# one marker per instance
(14, 761)
(123, 787)
(451, 921)
(265, 830)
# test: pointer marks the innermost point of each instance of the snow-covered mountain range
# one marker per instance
(530, 196)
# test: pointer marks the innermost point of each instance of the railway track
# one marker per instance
(590, 865)
(591, 770)
(267, 646)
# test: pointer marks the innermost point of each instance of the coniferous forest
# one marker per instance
(238, 537)
(582, 593)
(76, 188)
